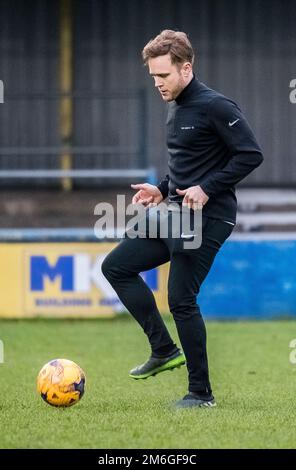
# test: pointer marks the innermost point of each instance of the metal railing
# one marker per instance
(38, 167)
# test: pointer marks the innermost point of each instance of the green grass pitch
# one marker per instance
(253, 380)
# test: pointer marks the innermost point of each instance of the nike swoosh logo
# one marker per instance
(232, 123)
(183, 235)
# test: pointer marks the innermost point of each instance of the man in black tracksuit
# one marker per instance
(211, 148)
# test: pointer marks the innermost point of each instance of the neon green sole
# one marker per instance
(174, 363)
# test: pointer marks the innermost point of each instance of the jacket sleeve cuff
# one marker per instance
(163, 187)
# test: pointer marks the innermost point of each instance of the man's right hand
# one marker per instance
(148, 195)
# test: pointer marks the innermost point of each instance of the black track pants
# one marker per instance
(188, 269)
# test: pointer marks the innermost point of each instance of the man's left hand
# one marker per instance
(194, 197)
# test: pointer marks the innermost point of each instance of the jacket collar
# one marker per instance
(188, 91)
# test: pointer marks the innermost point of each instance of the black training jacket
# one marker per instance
(210, 144)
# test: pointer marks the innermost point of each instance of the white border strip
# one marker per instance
(23, 235)
(261, 236)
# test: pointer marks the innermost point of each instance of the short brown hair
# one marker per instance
(170, 42)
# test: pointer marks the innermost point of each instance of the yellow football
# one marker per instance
(61, 382)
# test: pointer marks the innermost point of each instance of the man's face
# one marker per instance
(170, 79)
